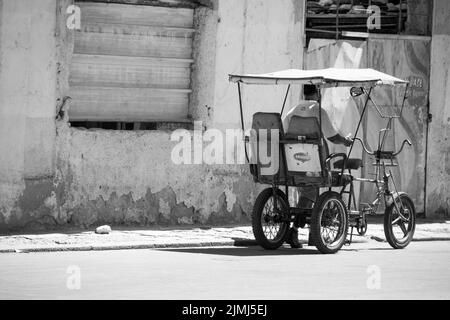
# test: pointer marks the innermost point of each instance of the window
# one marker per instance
(131, 66)
(343, 19)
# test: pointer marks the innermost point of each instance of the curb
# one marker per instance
(432, 239)
(230, 243)
(234, 243)
(378, 239)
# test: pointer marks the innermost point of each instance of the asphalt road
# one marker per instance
(361, 271)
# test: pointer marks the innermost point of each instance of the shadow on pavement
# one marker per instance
(246, 251)
(389, 248)
(254, 251)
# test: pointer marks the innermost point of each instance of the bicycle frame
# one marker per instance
(382, 175)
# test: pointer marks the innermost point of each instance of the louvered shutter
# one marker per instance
(131, 63)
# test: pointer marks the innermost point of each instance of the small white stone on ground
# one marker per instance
(103, 229)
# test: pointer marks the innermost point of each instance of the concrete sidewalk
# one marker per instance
(135, 238)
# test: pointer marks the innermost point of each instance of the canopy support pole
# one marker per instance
(240, 107)
(386, 129)
(242, 119)
(321, 138)
(404, 99)
(319, 100)
(285, 98)
(359, 124)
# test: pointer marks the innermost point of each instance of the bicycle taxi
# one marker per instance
(304, 161)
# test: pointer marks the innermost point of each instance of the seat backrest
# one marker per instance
(307, 127)
(266, 121)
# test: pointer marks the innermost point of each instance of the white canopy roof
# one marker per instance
(325, 77)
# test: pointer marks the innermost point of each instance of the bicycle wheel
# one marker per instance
(399, 230)
(269, 218)
(329, 223)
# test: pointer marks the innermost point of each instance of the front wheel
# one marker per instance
(329, 223)
(399, 228)
(269, 218)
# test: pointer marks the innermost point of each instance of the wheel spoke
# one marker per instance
(326, 235)
(400, 222)
(271, 229)
(396, 220)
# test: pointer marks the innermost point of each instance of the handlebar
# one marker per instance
(364, 146)
(406, 141)
(401, 148)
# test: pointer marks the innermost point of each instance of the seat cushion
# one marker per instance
(338, 180)
(352, 164)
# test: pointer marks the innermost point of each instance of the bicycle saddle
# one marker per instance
(352, 164)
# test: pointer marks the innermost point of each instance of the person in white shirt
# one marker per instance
(310, 108)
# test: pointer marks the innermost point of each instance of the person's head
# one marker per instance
(310, 92)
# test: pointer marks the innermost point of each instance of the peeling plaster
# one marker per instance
(126, 177)
(230, 199)
(131, 175)
(164, 208)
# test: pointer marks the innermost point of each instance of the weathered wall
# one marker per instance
(129, 177)
(410, 62)
(438, 164)
(255, 36)
(27, 104)
(68, 176)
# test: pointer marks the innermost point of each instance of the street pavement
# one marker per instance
(369, 270)
(140, 238)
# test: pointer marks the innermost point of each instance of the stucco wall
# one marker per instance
(27, 104)
(77, 177)
(129, 177)
(256, 36)
(438, 164)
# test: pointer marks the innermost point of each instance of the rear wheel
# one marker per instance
(270, 218)
(399, 228)
(329, 223)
